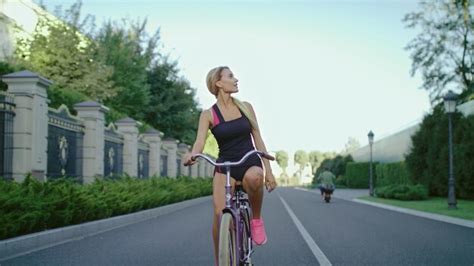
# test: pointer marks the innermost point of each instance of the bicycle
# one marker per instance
(235, 238)
(327, 192)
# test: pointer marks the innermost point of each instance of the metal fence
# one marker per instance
(178, 167)
(65, 141)
(164, 165)
(113, 153)
(143, 155)
(7, 113)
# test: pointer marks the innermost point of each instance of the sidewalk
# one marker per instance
(342, 193)
(353, 194)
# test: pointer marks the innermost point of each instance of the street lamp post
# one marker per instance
(371, 182)
(450, 108)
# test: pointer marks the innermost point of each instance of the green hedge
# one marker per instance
(403, 192)
(392, 174)
(357, 175)
(33, 206)
(341, 182)
(427, 161)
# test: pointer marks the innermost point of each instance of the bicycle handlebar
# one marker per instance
(225, 164)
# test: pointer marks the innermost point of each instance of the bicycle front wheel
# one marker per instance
(227, 242)
(246, 237)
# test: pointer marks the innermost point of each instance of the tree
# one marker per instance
(315, 158)
(351, 146)
(443, 51)
(427, 161)
(6, 68)
(172, 108)
(337, 165)
(130, 51)
(301, 158)
(58, 51)
(282, 161)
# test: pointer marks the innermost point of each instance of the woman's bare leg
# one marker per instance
(253, 184)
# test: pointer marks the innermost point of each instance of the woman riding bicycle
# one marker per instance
(234, 125)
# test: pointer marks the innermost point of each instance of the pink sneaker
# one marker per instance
(257, 228)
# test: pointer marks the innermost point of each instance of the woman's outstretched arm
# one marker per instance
(198, 147)
(270, 182)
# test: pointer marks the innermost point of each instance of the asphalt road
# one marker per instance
(301, 229)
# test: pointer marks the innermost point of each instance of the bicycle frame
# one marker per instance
(233, 206)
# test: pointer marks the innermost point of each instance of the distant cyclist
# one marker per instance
(326, 181)
(234, 125)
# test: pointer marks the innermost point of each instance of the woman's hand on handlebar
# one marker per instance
(270, 182)
(189, 159)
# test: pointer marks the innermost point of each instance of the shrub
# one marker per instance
(340, 182)
(357, 175)
(403, 192)
(392, 174)
(33, 206)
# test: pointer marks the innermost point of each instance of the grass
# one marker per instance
(432, 205)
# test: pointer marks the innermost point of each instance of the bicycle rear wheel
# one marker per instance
(227, 243)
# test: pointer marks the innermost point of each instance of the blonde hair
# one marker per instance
(212, 78)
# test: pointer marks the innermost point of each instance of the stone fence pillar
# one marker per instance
(194, 170)
(171, 145)
(93, 115)
(153, 138)
(209, 169)
(30, 124)
(183, 149)
(129, 128)
(202, 168)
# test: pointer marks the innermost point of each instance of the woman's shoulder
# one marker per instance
(207, 113)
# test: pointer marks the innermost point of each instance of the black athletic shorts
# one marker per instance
(238, 172)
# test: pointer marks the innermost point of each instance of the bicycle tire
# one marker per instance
(246, 234)
(227, 246)
(327, 199)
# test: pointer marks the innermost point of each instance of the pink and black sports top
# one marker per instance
(234, 138)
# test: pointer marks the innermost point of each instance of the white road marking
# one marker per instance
(322, 259)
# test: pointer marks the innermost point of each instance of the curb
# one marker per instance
(432, 216)
(22, 245)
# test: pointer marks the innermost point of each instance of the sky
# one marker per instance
(316, 72)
